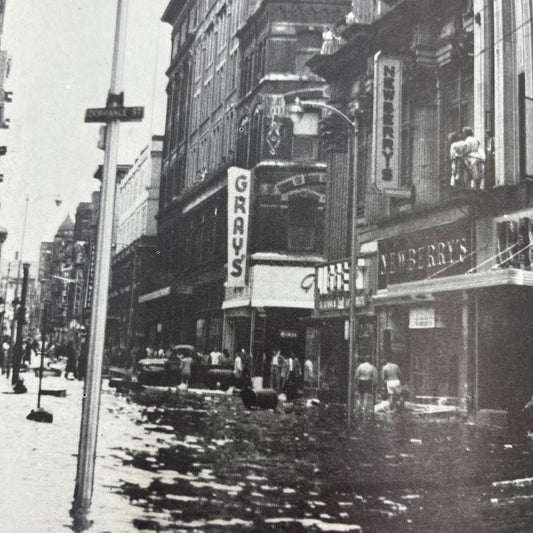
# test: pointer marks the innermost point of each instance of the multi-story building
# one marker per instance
(134, 260)
(444, 260)
(60, 278)
(228, 58)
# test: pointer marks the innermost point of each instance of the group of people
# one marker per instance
(285, 373)
(467, 160)
(76, 360)
(366, 377)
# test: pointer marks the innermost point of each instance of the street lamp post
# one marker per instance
(58, 202)
(296, 111)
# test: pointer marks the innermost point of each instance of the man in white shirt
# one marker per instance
(216, 356)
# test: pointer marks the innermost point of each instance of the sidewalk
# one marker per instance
(38, 460)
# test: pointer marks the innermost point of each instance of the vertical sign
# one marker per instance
(239, 184)
(387, 122)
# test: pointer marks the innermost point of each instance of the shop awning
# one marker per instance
(420, 291)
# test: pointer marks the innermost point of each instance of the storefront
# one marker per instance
(332, 314)
(459, 331)
(423, 327)
(268, 313)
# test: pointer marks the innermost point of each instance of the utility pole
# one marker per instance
(93, 386)
(21, 317)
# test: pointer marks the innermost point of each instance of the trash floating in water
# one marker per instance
(524, 482)
(310, 522)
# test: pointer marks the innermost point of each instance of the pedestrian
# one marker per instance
(72, 361)
(82, 362)
(309, 372)
(5, 354)
(215, 356)
(238, 370)
(27, 352)
(173, 367)
(278, 362)
(186, 369)
(292, 374)
(246, 368)
(474, 159)
(366, 378)
(227, 360)
(390, 374)
(456, 159)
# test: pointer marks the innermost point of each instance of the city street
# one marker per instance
(201, 462)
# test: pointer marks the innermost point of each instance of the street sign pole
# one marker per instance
(93, 383)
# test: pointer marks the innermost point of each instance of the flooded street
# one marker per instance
(190, 462)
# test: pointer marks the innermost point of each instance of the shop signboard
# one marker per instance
(333, 285)
(239, 184)
(387, 124)
(436, 252)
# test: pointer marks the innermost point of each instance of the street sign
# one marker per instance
(108, 114)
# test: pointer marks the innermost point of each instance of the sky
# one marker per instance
(61, 54)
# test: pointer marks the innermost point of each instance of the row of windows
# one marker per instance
(133, 228)
(132, 188)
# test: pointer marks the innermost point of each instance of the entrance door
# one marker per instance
(434, 368)
(422, 344)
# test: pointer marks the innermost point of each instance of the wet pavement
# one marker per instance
(189, 462)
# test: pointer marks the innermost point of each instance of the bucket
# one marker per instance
(259, 399)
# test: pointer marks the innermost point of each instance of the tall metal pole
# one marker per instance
(5, 307)
(20, 318)
(17, 283)
(354, 252)
(43, 346)
(93, 386)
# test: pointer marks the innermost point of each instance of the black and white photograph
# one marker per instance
(266, 266)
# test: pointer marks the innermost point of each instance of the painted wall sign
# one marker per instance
(239, 184)
(333, 285)
(387, 122)
(418, 255)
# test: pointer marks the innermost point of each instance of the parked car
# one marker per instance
(161, 371)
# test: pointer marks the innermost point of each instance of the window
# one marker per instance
(302, 220)
(305, 137)
(457, 95)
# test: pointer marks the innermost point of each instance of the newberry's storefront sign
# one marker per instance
(416, 256)
(239, 183)
(387, 122)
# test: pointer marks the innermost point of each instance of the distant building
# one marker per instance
(232, 62)
(62, 253)
(134, 259)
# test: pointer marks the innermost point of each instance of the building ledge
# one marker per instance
(280, 257)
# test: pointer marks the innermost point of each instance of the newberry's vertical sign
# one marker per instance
(387, 122)
(239, 184)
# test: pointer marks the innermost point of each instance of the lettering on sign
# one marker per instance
(387, 121)
(239, 184)
(108, 114)
(418, 255)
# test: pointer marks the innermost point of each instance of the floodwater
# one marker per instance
(190, 462)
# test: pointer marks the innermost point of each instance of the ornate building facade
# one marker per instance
(444, 256)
